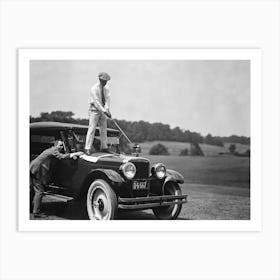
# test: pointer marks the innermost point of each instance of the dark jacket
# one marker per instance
(40, 167)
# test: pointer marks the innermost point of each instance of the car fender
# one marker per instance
(105, 174)
(172, 175)
(112, 175)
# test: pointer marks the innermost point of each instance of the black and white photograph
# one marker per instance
(140, 139)
(179, 132)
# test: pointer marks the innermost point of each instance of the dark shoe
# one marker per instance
(40, 215)
(87, 152)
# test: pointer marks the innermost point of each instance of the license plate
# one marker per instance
(139, 185)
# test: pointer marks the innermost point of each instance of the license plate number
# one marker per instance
(139, 185)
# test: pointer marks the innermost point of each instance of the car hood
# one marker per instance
(120, 158)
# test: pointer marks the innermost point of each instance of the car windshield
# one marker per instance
(80, 139)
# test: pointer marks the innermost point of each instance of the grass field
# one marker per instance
(218, 188)
(222, 170)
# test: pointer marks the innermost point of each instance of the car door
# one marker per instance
(65, 169)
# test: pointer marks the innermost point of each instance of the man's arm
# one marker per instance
(94, 101)
(59, 155)
(107, 104)
(107, 99)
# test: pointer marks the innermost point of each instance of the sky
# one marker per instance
(206, 96)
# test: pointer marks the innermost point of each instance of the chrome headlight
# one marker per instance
(129, 170)
(159, 170)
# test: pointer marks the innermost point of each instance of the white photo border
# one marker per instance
(255, 57)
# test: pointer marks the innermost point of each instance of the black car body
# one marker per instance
(107, 182)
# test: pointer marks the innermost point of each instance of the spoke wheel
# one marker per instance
(101, 201)
(169, 212)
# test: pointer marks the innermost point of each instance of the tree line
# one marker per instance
(142, 131)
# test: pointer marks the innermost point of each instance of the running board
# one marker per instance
(58, 197)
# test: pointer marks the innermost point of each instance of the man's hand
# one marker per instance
(108, 114)
(76, 155)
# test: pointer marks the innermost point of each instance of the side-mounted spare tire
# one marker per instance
(170, 212)
(101, 201)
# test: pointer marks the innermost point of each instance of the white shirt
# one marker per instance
(95, 99)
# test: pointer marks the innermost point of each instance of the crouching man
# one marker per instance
(40, 173)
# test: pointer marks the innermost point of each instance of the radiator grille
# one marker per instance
(142, 169)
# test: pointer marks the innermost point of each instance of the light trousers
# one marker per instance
(96, 118)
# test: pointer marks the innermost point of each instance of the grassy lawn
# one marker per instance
(218, 188)
(221, 170)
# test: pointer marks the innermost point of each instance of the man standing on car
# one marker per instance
(41, 173)
(99, 104)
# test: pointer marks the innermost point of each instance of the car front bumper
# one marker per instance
(151, 201)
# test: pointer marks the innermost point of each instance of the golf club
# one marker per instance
(122, 131)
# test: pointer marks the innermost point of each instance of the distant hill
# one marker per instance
(174, 148)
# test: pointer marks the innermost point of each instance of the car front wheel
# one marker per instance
(101, 201)
(169, 212)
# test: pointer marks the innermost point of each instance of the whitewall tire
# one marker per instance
(101, 201)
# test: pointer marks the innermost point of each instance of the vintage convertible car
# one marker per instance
(106, 182)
